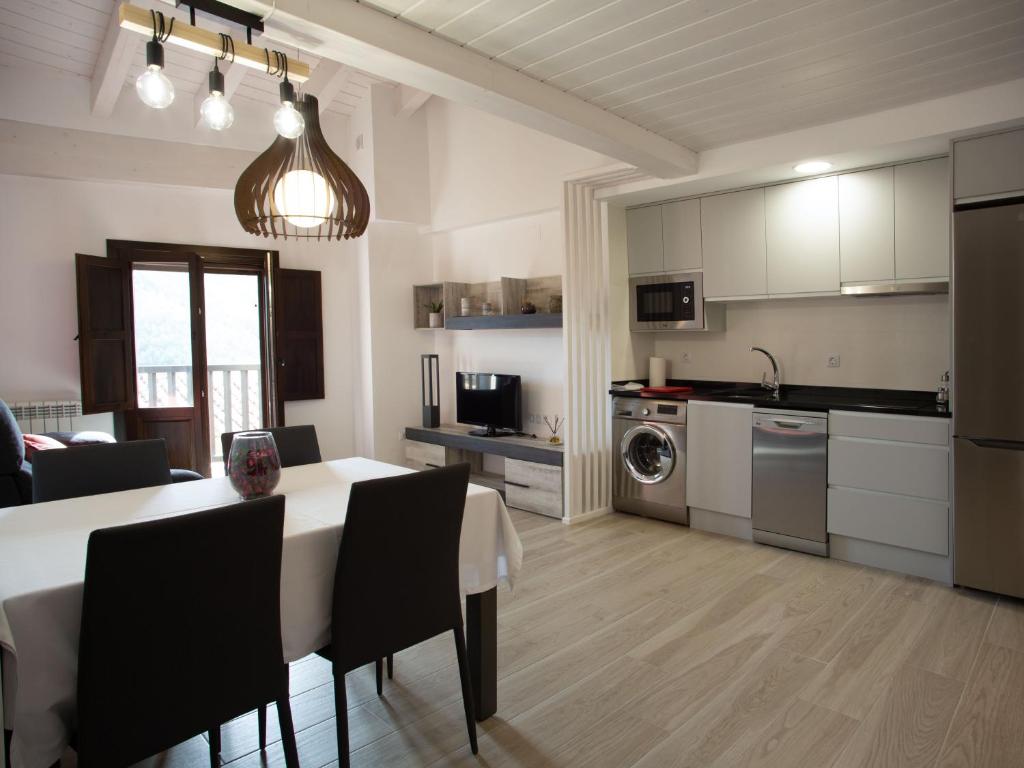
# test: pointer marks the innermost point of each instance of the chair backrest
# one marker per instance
(397, 581)
(85, 470)
(295, 445)
(181, 629)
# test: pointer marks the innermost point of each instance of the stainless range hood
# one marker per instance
(919, 288)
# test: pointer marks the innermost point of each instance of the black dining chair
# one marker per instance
(85, 470)
(397, 580)
(295, 445)
(181, 631)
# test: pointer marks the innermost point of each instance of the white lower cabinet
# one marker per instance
(888, 518)
(718, 457)
(888, 494)
(533, 487)
(422, 456)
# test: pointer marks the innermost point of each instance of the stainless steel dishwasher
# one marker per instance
(790, 480)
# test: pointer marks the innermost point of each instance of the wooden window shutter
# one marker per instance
(106, 344)
(299, 335)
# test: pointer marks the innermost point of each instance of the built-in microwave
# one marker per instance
(671, 302)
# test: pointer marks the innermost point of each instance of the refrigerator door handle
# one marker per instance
(1003, 445)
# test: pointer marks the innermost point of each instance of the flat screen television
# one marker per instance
(489, 400)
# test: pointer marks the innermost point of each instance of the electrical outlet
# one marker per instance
(685, 357)
(833, 360)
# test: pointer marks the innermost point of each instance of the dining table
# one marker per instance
(42, 569)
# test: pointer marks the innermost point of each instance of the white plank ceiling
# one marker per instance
(66, 35)
(706, 73)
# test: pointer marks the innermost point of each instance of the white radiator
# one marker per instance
(38, 416)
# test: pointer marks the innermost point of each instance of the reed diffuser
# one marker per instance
(554, 427)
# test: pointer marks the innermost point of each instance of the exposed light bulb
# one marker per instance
(288, 122)
(812, 166)
(153, 86)
(304, 198)
(215, 110)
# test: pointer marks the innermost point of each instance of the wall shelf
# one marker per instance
(421, 296)
(506, 295)
(485, 322)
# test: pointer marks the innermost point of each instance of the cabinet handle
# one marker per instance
(517, 485)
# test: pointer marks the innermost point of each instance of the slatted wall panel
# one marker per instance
(587, 346)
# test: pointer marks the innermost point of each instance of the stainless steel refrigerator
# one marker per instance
(988, 395)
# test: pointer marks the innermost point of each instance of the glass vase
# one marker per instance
(253, 464)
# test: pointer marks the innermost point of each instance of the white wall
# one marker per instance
(495, 200)
(46, 221)
(890, 343)
(484, 168)
(530, 246)
(400, 159)
(396, 262)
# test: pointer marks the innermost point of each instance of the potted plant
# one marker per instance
(435, 308)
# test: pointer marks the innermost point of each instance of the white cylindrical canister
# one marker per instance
(656, 372)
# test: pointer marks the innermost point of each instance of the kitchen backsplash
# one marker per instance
(893, 343)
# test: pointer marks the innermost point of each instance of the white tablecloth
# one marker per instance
(42, 566)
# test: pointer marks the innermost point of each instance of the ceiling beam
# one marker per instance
(326, 81)
(362, 37)
(409, 101)
(112, 65)
(234, 73)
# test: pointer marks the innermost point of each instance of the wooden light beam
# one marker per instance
(139, 20)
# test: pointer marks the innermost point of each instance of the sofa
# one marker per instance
(16, 466)
(15, 472)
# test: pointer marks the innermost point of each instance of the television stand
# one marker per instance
(492, 432)
(527, 471)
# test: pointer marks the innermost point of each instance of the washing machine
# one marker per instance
(649, 457)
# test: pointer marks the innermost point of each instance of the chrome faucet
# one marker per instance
(775, 383)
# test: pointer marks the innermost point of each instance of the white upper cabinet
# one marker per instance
(644, 248)
(732, 229)
(989, 165)
(866, 226)
(680, 226)
(802, 235)
(922, 219)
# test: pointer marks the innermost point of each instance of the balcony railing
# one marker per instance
(235, 395)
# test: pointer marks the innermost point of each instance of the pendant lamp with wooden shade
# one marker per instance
(300, 188)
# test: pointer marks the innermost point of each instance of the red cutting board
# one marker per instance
(665, 390)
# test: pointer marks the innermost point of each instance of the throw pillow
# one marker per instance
(35, 443)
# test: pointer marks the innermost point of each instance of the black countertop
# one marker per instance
(804, 398)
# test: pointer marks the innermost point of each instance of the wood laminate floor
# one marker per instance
(632, 642)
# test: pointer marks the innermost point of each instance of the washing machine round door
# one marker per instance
(648, 454)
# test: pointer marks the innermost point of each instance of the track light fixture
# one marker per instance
(153, 86)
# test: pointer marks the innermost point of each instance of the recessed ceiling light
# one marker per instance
(812, 166)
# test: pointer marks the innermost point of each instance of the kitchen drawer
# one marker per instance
(911, 469)
(930, 430)
(901, 521)
(533, 487)
(423, 455)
